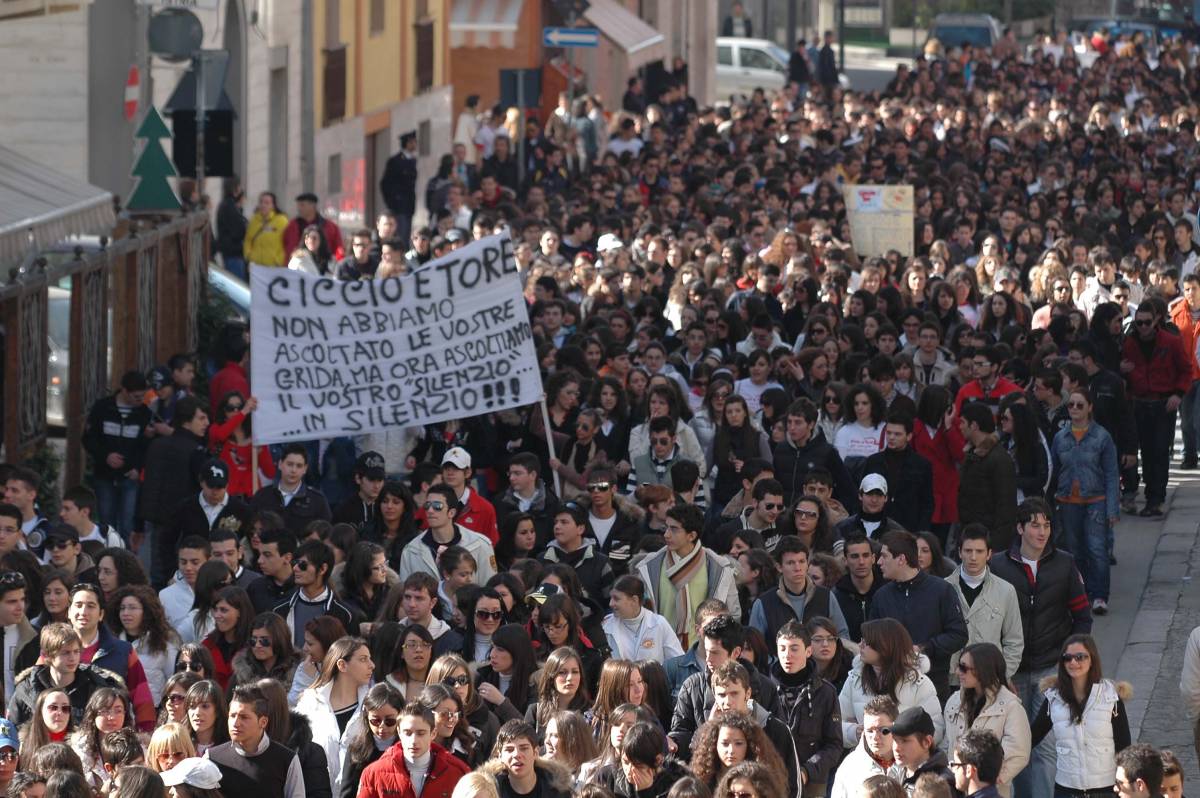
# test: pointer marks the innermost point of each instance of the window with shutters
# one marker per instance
(334, 86)
(424, 55)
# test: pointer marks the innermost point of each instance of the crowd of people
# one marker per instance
(802, 521)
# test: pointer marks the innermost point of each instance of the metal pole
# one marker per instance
(841, 15)
(201, 113)
(791, 25)
(521, 123)
(550, 443)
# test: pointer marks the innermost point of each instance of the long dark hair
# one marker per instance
(477, 593)
(436, 693)
(88, 735)
(1026, 437)
(385, 649)
(990, 671)
(155, 630)
(741, 440)
(1066, 690)
(823, 535)
(547, 699)
(620, 412)
(557, 606)
(208, 690)
(515, 641)
(932, 405)
(212, 577)
(897, 661)
(129, 567)
(281, 641)
(361, 744)
(236, 597)
(357, 571)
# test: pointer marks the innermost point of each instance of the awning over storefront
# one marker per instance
(641, 42)
(484, 23)
(39, 206)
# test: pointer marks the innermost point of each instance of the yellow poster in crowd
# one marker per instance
(881, 218)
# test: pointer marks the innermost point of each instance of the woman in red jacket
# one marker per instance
(937, 439)
(233, 617)
(231, 440)
(414, 765)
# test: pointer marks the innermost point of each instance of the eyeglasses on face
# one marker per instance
(803, 513)
(447, 714)
(489, 615)
(417, 645)
(194, 667)
(823, 640)
(456, 681)
(1144, 322)
(176, 698)
(1081, 657)
(964, 667)
(772, 506)
(264, 642)
(301, 565)
(593, 487)
(832, 400)
(662, 440)
(435, 505)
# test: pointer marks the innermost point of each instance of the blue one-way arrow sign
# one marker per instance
(570, 37)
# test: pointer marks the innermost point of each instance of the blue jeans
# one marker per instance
(236, 267)
(116, 503)
(1085, 533)
(1188, 421)
(1037, 779)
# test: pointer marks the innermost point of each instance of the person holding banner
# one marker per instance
(441, 514)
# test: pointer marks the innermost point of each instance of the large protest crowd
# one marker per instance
(799, 521)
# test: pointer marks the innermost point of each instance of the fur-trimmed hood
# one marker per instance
(301, 734)
(559, 776)
(1124, 689)
(246, 670)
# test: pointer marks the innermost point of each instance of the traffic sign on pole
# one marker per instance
(570, 37)
(131, 93)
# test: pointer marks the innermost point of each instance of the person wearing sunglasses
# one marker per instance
(977, 763)
(1088, 494)
(65, 552)
(1159, 374)
(873, 755)
(608, 522)
(1087, 715)
(760, 513)
(268, 653)
(441, 513)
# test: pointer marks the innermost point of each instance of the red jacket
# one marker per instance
(1181, 317)
(222, 670)
(479, 516)
(944, 451)
(973, 390)
(387, 777)
(333, 237)
(238, 456)
(1167, 371)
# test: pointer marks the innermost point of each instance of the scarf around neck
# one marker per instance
(680, 571)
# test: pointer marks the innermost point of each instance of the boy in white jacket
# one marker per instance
(441, 508)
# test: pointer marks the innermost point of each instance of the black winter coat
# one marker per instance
(313, 764)
(930, 611)
(694, 704)
(987, 491)
(910, 487)
(172, 464)
(614, 780)
(1054, 606)
(30, 684)
(811, 711)
(106, 432)
(792, 464)
(856, 607)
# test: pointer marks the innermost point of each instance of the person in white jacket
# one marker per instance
(989, 603)
(635, 633)
(686, 565)
(887, 665)
(441, 508)
(178, 597)
(873, 754)
(141, 621)
(982, 674)
(331, 703)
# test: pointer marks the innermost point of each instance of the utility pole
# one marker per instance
(841, 29)
(201, 113)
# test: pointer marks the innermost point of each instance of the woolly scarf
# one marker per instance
(680, 572)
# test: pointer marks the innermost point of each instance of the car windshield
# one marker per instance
(779, 54)
(955, 35)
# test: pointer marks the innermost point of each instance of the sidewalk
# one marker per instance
(1151, 652)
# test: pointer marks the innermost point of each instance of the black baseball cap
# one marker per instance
(214, 473)
(913, 720)
(371, 465)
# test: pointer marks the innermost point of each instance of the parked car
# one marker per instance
(980, 30)
(744, 65)
(231, 292)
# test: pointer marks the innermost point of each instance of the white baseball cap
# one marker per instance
(203, 774)
(873, 482)
(458, 457)
(609, 242)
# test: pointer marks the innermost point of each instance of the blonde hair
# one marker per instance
(476, 784)
(444, 667)
(168, 738)
(57, 636)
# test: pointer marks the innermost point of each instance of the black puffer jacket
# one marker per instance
(792, 464)
(809, 707)
(672, 771)
(313, 764)
(695, 702)
(1054, 606)
(31, 682)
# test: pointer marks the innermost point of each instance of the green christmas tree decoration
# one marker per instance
(153, 169)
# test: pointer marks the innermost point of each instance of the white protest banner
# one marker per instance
(881, 218)
(331, 357)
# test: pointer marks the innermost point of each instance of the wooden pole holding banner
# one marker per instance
(253, 466)
(550, 445)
